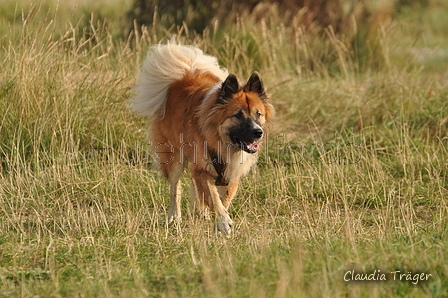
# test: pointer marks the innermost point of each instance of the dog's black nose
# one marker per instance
(258, 133)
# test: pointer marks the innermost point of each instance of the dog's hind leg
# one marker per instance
(198, 204)
(174, 213)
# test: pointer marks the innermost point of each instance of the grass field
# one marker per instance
(352, 183)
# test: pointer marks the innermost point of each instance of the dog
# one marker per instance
(202, 117)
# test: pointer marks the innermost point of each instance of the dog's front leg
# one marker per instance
(227, 193)
(208, 195)
(223, 223)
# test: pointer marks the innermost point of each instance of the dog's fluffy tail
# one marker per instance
(165, 64)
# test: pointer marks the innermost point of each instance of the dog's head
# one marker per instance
(245, 112)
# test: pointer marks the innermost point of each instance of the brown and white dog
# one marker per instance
(201, 116)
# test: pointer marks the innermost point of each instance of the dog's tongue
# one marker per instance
(252, 145)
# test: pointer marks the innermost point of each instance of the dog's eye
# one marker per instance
(258, 114)
(238, 115)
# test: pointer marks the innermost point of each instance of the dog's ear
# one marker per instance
(229, 87)
(254, 84)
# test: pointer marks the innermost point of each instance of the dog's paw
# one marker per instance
(206, 214)
(174, 217)
(223, 225)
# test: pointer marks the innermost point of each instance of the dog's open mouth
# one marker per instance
(249, 147)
